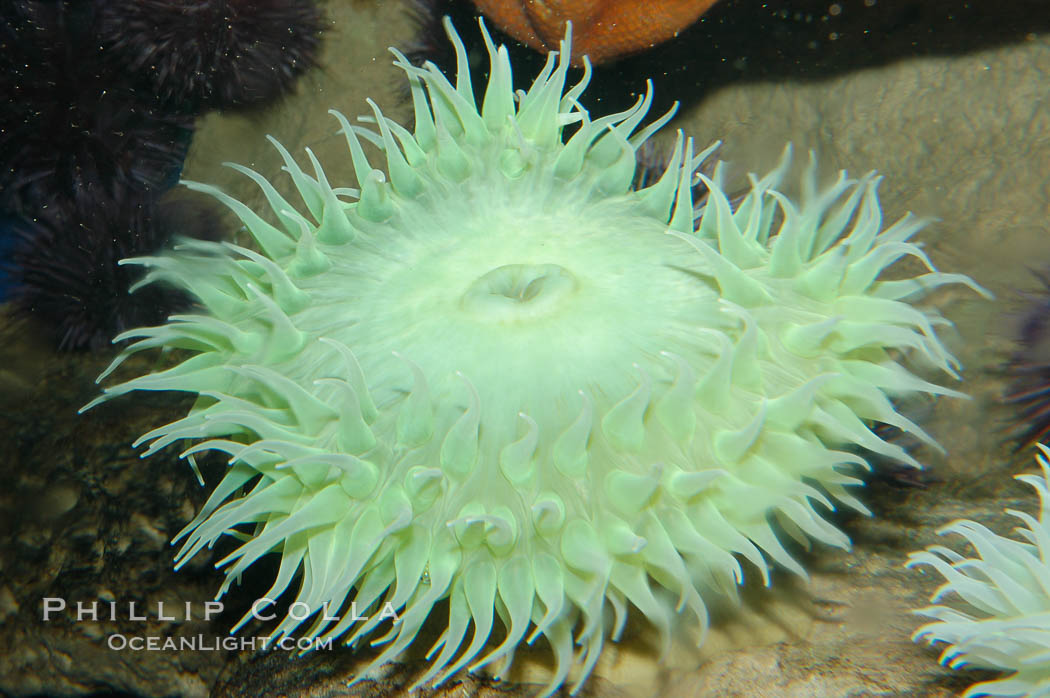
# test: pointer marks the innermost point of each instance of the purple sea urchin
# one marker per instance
(1029, 369)
(213, 53)
(82, 162)
(65, 270)
(71, 132)
(499, 375)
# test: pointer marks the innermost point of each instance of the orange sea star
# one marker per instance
(602, 29)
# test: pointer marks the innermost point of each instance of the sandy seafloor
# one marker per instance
(962, 136)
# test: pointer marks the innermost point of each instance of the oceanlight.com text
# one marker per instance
(211, 643)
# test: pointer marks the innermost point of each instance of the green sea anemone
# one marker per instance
(498, 375)
(1003, 620)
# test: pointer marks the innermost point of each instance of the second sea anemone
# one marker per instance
(993, 610)
(497, 374)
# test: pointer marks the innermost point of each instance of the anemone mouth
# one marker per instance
(398, 404)
(519, 292)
